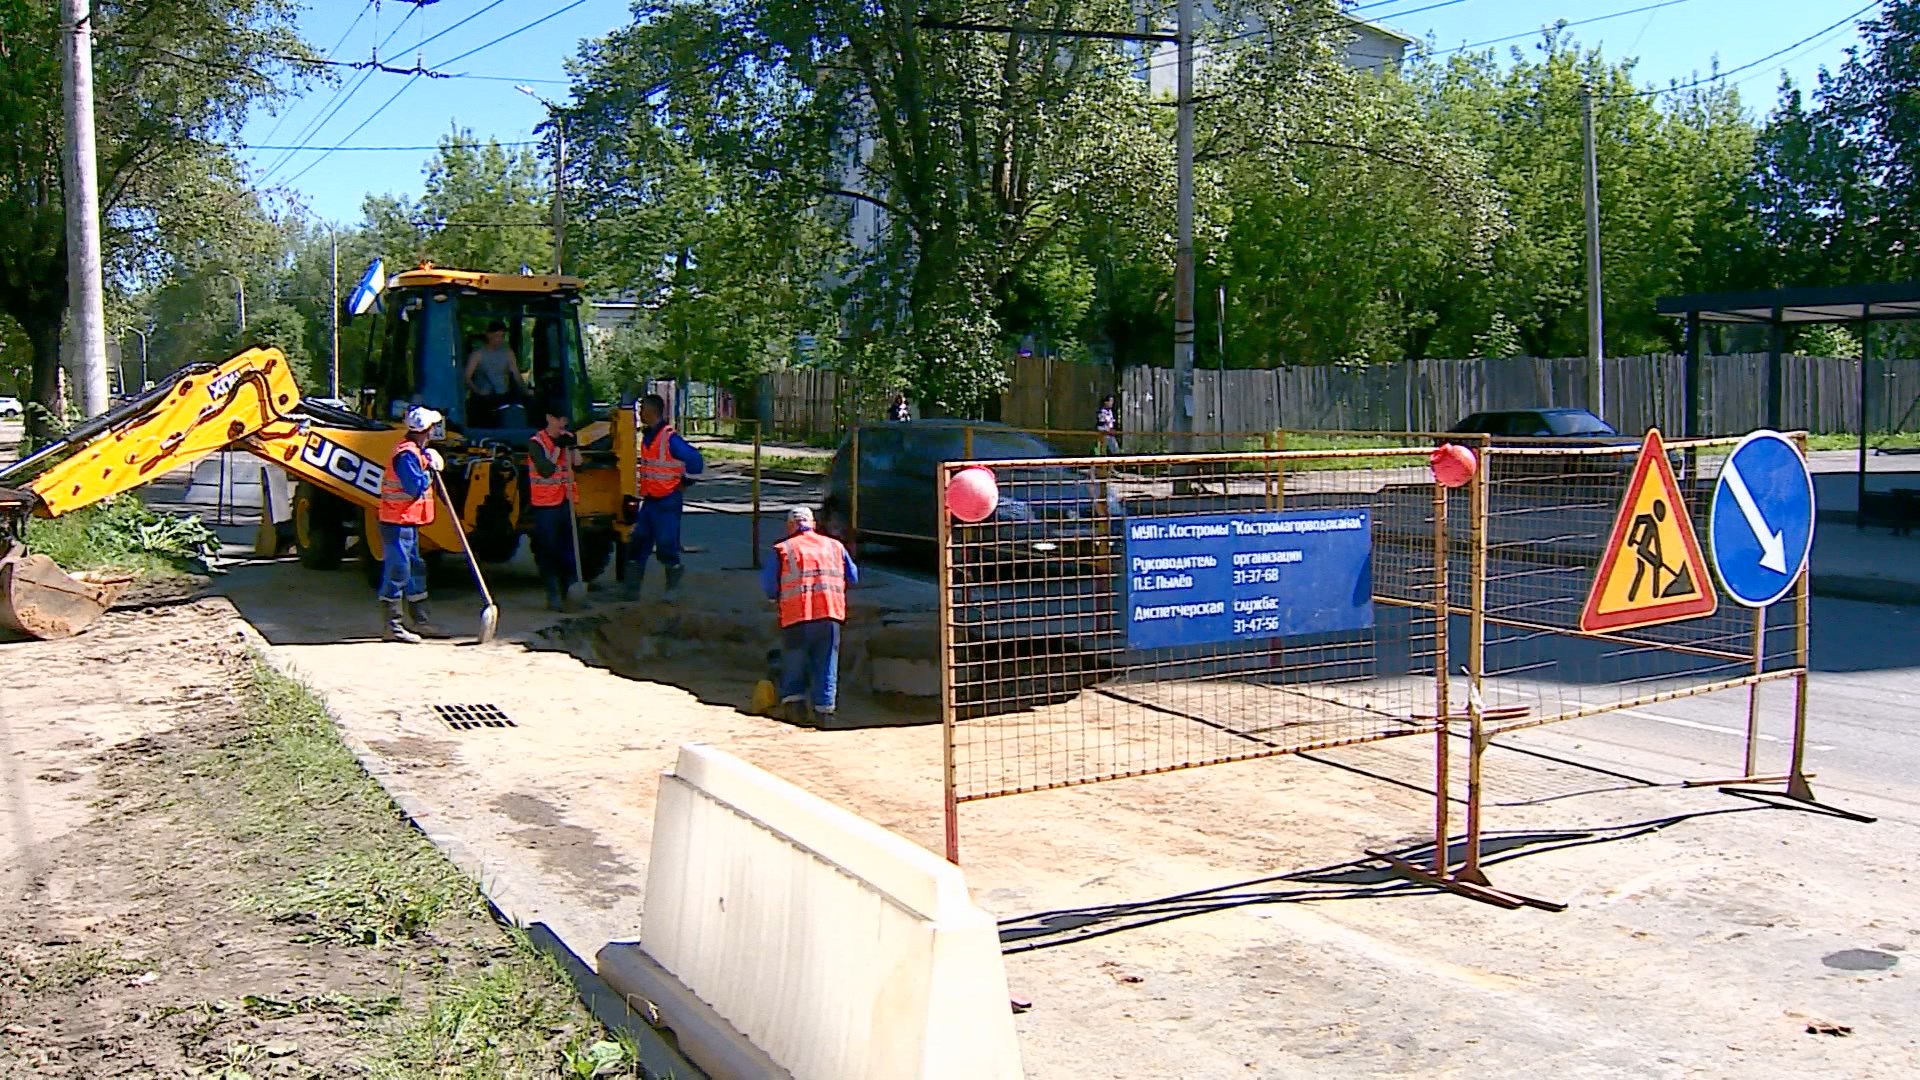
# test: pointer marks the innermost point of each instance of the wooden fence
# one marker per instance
(1822, 395)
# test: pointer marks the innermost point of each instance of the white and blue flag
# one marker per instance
(366, 295)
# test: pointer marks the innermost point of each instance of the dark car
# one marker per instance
(1042, 509)
(1540, 428)
(1542, 424)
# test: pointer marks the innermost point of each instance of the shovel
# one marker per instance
(489, 615)
(577, 588)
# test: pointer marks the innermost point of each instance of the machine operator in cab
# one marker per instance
(406, 503)
(665, 465)
(493, 376)
(553, 454)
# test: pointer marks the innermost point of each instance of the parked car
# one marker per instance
(1041, 510)
(10, 408)
(1541, 424)
(1540, 427)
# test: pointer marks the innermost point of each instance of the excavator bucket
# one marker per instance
(37, 598)
(40, 600)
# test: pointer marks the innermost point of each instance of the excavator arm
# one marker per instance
(201, 410)
(250, 402)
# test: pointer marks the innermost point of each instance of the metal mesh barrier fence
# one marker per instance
(1122, 616)
(1549, 518)
(1074, 616)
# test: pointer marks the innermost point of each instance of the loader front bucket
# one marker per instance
(40, 600)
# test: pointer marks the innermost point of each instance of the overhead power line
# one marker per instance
(282, 118)
(404, 87)
(313, 128)
(1560, 26)
(554, 14)
(1750, 65)
(377, 149)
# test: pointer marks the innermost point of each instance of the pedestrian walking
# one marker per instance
(407, 504)
(1106, 421)
(665, 465)
(552, 455)
(807, 578)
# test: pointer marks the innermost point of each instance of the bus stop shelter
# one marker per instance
(1777, 310)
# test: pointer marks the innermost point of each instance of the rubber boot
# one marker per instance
(630, 588)
(397, 623)
(423, 621)
(674, 574)
(556, 600)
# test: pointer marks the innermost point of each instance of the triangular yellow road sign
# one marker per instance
(1651, 570)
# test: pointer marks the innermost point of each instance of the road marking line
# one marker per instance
(1699, 726)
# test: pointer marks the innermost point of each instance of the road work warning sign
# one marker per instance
(1651, 570)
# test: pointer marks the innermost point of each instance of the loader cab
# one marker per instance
(435, 320)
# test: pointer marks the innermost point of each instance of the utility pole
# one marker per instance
(240, 293)
(86, 301)
(333, 329)
(559, 191)
(1220, 385)
(1183, 229)
(1596, 340)
(559, 177)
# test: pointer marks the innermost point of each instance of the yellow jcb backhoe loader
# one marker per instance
(433, 318)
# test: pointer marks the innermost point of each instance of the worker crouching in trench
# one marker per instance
(807, 579)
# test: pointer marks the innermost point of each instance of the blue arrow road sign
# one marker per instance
(1761, 522)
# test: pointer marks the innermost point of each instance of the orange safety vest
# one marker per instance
(656, 470)
(396, 506)
(813, 578)
(558, 488)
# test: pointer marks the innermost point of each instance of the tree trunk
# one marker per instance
(43, 334)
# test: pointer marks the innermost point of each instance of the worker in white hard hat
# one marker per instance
(406, 503)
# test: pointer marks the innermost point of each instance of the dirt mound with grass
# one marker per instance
(200, 880)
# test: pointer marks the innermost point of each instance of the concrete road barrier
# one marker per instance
(784, 935)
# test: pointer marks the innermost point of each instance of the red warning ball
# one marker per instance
(972, 494)
(1453, 465)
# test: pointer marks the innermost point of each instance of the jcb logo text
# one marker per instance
(341, 463)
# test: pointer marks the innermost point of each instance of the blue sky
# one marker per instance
(1673, 39)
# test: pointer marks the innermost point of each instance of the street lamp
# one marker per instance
(143, 354)
(558, 118)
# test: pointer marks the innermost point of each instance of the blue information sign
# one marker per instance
(1761, 521)
(1227, 577)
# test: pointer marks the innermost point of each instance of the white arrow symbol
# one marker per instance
(1773, 545)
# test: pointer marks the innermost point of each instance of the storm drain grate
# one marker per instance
(469, 717)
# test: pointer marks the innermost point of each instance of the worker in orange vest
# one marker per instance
(665, 465)
(406, 503)
(808, 578)
(552, 455)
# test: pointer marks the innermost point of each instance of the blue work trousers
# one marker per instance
(810, 663)
(553, 544)
(656, 530)
(403, 574)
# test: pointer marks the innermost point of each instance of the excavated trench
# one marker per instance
(717, 637)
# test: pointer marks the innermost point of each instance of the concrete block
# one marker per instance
(839, 949)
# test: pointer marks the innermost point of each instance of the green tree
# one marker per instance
(960, 158)
(1671, 166)
(172, 77)
(485, 207)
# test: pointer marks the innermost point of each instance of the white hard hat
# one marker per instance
(800, 515)
(421, 418)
